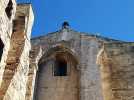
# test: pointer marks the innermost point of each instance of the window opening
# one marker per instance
(60, 68)
(9, 8)
(1, 48)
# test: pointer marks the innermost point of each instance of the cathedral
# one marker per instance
(62, 65)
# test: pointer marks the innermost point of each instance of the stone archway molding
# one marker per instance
(59, 48)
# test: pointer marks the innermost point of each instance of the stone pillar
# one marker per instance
(104, 62)
(90, 82)
(35, 55)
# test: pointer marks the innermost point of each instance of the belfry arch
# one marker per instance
(57, 76)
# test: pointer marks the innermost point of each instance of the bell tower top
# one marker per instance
(65, 25)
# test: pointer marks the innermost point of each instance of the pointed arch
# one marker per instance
(59, 49)
(58, 73)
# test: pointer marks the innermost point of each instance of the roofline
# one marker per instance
(85, 33)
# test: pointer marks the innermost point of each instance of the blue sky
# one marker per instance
(110, 18)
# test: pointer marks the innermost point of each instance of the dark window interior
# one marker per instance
(60, 68)
(1, 48)
(14, 25)
(9, 9)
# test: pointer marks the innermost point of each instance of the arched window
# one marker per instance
(1, 48)
(60, 67)
(9, 8)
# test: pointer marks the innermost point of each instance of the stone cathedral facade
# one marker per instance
(62, 65)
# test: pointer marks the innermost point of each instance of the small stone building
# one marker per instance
(62, 65)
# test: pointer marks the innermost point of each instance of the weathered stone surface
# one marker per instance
(35, 55)
(84, 49)
(116, 64)
(14, 78)
(94, 80)
(5, 31)
(28, 73)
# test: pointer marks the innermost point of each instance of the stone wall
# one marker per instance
(6, 26)
(20, 79)
(15, 75)
(117, 67)
(35, 55)
(47, 44)
(62, 87)
(86, 49)
(90, 80)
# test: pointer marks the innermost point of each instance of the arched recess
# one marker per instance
(57, 76)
